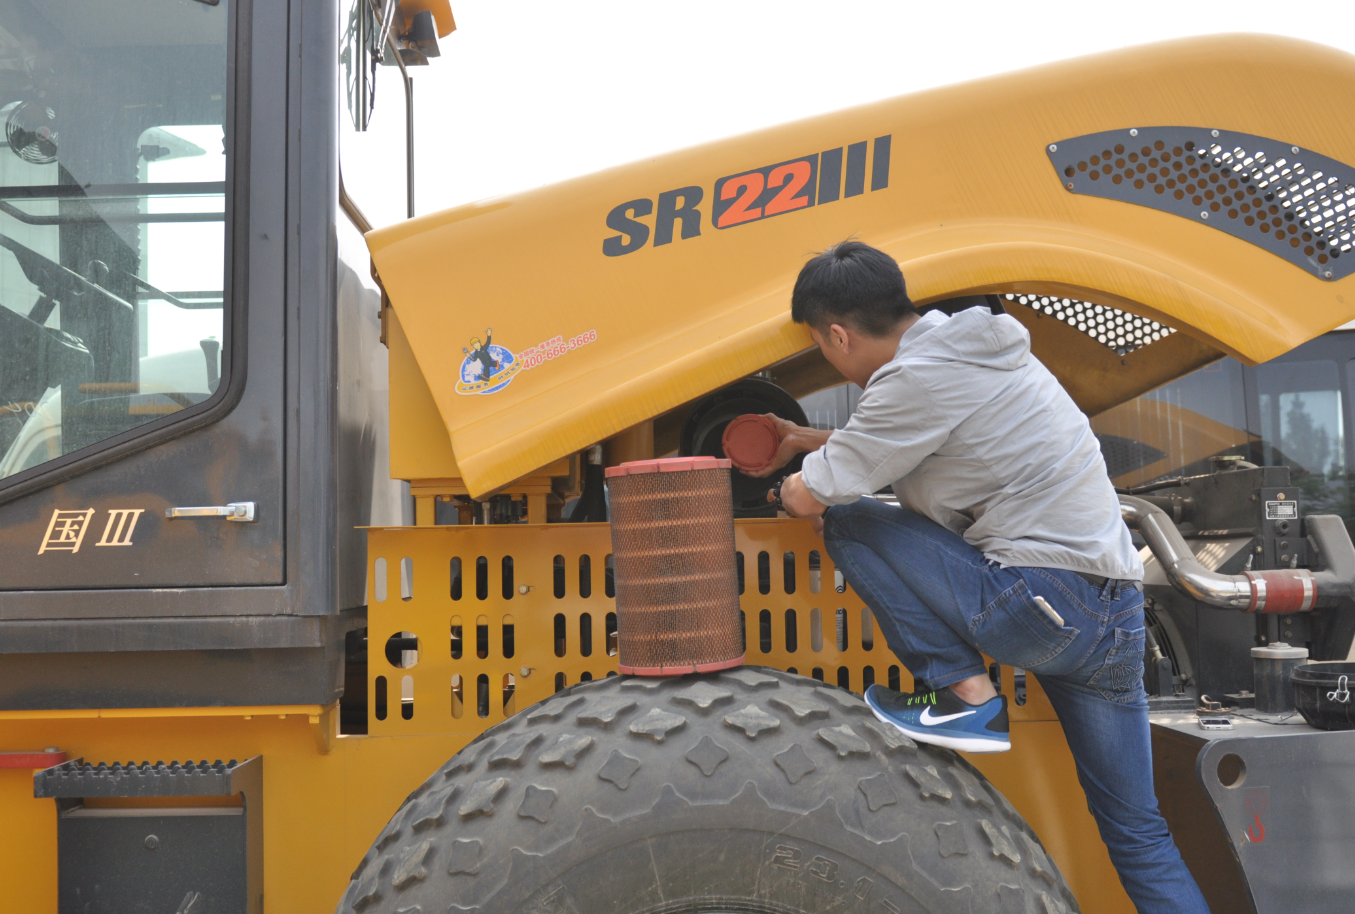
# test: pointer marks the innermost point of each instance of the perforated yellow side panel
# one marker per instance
(328, 796)
(413, 569)
(507, 615)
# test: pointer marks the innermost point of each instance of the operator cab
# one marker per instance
(192, 382)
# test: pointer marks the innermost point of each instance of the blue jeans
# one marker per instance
(939, 602)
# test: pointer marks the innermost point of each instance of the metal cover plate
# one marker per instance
(161, 860)
(1292, 202)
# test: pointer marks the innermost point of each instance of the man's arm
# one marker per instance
(798, 500)
(795, 439)
(895, 426)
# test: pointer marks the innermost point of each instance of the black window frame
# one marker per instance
(235, 285)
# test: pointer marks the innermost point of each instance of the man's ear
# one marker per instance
(841, 339)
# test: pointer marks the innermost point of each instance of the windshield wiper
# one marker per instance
(52, 279)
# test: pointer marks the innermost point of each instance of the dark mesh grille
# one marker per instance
(1320, 202)
(677, 597)
(1296, 203)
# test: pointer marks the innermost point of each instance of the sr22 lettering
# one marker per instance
(749, 196)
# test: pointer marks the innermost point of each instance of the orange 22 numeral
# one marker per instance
(791, 177)
(751, 184)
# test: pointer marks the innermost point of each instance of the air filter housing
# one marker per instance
(751, 442)
(677, 596)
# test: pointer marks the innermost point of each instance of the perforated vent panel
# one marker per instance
(1293, 202)
(1119, 330)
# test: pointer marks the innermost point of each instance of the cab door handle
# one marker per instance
(239, 511)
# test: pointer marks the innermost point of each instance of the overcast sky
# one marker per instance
(529, 93)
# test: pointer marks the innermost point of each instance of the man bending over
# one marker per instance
(1008, 541)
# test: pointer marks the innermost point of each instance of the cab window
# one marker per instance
(1302, 424)
(113, 163)
(1175, 429)
(1291, 411)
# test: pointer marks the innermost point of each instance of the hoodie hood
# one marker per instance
(976, 336)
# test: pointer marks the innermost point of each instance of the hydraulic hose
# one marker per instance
(1279, 591)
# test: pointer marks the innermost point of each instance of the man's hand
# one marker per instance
(797, 501)
(795, 439)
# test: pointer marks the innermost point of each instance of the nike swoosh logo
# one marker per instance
(927, 719)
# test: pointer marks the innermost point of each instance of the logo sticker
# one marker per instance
(931, 721)
(750, 196)
(1257, 803)
(66, 530)
(765, 192)
(121, 524)
(488, 367)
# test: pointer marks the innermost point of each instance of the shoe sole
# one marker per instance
(959, 743)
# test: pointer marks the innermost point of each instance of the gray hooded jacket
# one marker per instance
(974, 433)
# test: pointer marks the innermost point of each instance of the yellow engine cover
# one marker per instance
(550, 319)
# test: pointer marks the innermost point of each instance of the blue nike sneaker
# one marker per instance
(942, 718)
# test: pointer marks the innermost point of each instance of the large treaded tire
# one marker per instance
(747, 791)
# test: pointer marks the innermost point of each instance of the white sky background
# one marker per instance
(530, 93)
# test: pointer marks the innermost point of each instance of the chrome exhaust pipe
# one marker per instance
(1281, 591)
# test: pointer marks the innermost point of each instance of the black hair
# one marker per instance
(851, 283)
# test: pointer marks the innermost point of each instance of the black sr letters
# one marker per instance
(637, 233)
(669, 212)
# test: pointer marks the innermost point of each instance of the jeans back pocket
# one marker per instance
(1121, 676)
(1014, 630)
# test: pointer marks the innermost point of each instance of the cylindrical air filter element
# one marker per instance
(1273, 669)
(750, 442)
(677, 591)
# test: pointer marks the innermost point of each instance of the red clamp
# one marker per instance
(1282, 591)
(35, 759)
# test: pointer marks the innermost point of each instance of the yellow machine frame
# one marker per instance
(327, 795)
(973, 207)
(802, 623)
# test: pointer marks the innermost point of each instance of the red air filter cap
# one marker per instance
(667, 465)
(750, 442)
